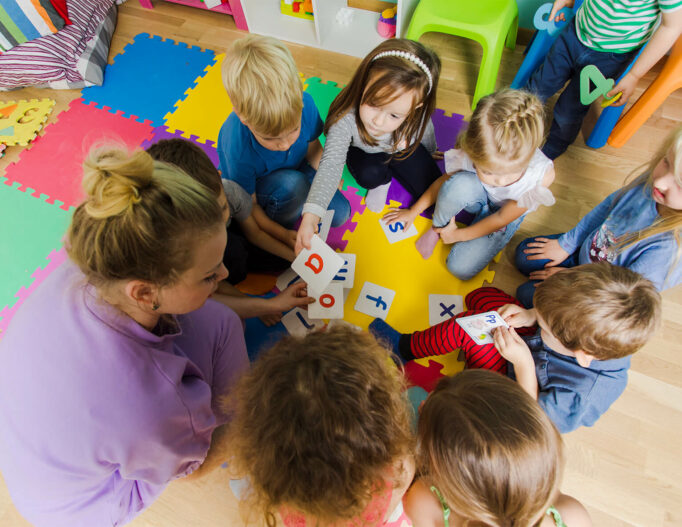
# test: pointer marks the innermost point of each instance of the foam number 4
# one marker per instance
(602, 84)
(542, 22)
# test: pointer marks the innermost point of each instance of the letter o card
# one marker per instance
(329, 304)
(374, 300)
(317, 265)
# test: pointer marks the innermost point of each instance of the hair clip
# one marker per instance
(408, 56)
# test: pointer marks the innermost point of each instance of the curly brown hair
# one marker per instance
(318, 424)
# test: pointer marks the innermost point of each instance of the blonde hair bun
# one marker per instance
(114, 179)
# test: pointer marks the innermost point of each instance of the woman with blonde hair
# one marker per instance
(112, 368)
(637, 227)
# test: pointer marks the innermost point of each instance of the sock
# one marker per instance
(427, 243)
(376, 197)
(392, 338)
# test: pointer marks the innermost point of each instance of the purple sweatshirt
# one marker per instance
(97, 414)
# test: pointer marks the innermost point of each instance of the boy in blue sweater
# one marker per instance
(591, 318)
(269, 143)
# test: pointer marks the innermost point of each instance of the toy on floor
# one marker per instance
(387, 22)
(297, 8)
(20, 121)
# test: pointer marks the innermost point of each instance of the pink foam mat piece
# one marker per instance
(56, 258)
(53, 165)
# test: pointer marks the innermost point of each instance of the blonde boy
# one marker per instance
(269, 143)
(591, 318)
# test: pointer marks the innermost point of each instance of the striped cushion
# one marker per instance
(72, 58)
(24, 20)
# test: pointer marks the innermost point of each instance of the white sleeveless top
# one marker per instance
(527, 191)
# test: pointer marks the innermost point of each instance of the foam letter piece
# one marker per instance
(374, 300)
(329, 304)
(325, 224)
(346, 275)
(552, 26)
(396, 231)
(602, 84)
(317, 265)
(444, 307)
(297, 322)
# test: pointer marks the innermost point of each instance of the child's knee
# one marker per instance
(463, 268)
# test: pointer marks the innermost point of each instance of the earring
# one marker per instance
(155, 306)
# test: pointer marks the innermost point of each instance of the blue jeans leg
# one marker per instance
(282, 194)
(463, 190)
(467, 259)
(526, 291)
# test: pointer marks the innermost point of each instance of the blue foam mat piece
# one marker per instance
(260, 337)
(149, 77)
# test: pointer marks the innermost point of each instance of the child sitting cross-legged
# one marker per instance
(249, 247)
(321, 430)
(488, 455)
(591, 318)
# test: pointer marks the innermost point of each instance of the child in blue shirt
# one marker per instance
(608, 35)
(591, 319)
(269, 143)
(636, 227)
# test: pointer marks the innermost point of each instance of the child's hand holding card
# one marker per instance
(482, 326)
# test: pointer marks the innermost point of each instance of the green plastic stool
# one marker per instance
(491, 23)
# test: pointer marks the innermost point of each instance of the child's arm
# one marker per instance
(274, 229)
(661, 41)
(265, 241)
(428, 198)
(508, 213)
(514, 349)
(247, 306)
(422, 506)
(314, 153)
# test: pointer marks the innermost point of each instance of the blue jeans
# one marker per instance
(526, 291)
(464, 191)
(565, 60)
(283, 192)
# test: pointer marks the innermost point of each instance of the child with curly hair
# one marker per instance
(321, 429)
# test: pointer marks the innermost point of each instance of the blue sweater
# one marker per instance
(570, 394)
(598, 232)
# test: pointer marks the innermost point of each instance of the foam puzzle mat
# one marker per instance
(180, 94)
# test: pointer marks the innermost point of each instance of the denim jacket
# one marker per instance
(571, 395)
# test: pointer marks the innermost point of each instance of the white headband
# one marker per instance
(408, 56)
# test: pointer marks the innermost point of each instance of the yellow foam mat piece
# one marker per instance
(20, 121)
(205, 108)
(401, 268)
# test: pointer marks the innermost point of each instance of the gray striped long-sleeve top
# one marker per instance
(342, 135)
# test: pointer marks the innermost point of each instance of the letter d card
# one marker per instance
(317, 266)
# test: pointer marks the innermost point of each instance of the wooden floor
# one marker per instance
(627, 469)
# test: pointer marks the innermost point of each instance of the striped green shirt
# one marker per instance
(619, 26)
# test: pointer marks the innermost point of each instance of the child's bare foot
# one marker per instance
(376, 197)
(427, 243)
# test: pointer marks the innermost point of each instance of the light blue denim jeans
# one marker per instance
(464, 191)
(283, 192)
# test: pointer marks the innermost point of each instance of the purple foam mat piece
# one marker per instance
(447, 129)
(161, 132)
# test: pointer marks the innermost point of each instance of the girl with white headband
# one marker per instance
(380, 126)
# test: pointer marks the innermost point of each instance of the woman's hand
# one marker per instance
(305, 231)
(404, 216)
(296, 295)
(546, 249)
(516, 316)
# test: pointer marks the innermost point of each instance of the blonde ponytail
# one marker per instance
(140, 220)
